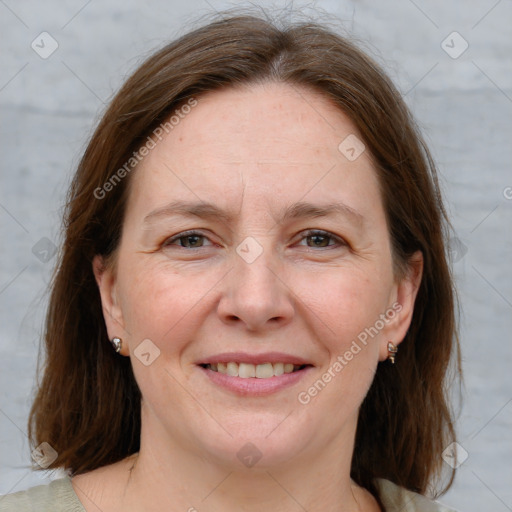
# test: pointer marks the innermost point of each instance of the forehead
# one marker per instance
(268, 140)
(268, 119)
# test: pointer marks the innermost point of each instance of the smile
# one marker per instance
(258, 371)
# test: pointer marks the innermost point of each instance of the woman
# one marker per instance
(253, 308)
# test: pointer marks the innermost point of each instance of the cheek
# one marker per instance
(345, 301)
(344, 305)
(160, 305)
(159, 302)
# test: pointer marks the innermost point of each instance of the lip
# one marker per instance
(244, 357)
(253, 386)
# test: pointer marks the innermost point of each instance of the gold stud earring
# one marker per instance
(392, 350)
(117, 343)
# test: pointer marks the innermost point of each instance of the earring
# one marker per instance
(117, 344)
(392, 350)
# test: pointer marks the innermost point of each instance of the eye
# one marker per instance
(319, 239)
(188, 240)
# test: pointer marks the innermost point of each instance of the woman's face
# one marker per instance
(252, 237)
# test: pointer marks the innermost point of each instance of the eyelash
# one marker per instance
(307, 233)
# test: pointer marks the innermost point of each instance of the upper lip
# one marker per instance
(244, 357)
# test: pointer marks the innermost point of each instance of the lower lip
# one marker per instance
(254, 386)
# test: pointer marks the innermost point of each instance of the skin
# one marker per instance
(252, 152)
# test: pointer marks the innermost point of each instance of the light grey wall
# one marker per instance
(464, 104)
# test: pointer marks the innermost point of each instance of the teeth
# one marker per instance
(246, 370)
(232, 369)
(260, 371)
(264, 371)
(278, 369)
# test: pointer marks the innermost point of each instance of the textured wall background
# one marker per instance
(461, 96)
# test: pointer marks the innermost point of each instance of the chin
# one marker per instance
(257, 443)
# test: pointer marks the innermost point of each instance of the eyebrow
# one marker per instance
(204, 210)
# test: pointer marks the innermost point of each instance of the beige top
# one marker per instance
(59, 496)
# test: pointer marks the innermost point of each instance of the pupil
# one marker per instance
(319, 240)
(192, 240)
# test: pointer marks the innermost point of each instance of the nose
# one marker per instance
(256, 295)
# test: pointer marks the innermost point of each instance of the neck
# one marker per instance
(173, 475)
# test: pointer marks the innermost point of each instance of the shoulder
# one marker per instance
(57, 496)
(398, 499)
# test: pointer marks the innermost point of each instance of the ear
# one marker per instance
(402, 303)
(112, 313)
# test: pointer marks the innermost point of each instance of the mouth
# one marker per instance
(258, 371)
(254, 375)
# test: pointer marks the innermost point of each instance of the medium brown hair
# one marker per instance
(88, 403)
